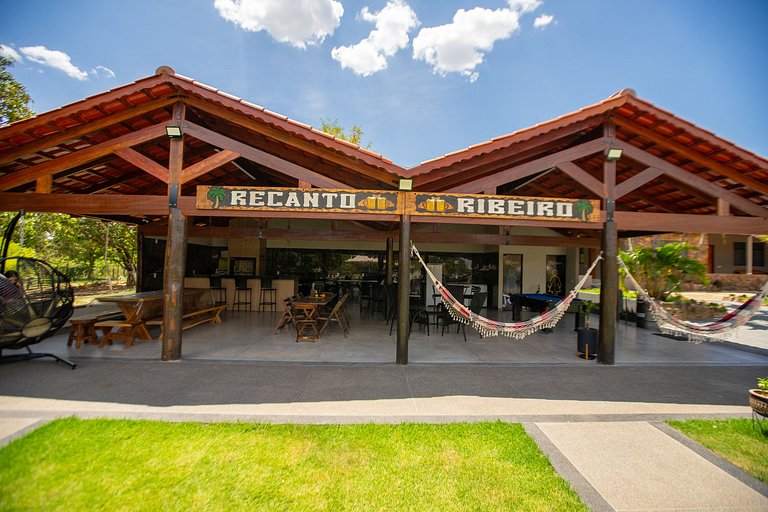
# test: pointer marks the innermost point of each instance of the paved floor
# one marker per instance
(601, 426)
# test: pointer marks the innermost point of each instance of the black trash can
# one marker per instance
(640, 319)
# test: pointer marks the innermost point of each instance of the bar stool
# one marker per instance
(242, 294)
(268, 295)
(218, 292)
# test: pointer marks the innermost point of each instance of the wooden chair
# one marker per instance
(287, 316)
(337, 315)
(306, 323)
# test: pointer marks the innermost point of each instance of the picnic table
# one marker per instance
(138, 309)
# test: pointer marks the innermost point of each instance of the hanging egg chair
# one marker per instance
(36, 300)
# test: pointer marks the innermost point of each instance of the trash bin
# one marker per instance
(640, 320)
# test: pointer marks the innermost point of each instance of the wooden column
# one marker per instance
(175, 249)
(750, 246)
(609, 293)
(173, 284)
(403, 290)
(609, 271)
(390, 260)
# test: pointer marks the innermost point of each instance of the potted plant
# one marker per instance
(587, 336)
(758, 397)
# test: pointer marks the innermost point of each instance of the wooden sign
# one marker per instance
(504, 207)
(297, 200)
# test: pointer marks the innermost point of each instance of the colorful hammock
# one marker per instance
(488, 327)
(717, 330)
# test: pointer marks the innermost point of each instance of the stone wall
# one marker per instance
(729, 282)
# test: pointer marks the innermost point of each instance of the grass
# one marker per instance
(74, 464)
(735, 440)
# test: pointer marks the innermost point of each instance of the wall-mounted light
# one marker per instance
(406, 184)
(174, 132)
(613, 154)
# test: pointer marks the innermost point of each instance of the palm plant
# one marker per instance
(660, 271)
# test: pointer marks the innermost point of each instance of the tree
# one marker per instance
(14, 98)
(660, 271)
(75, 245)
(354, 136)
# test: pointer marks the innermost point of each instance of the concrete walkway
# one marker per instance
(601, 426)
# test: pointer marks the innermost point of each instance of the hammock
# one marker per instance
(488, 327)
(718, 330)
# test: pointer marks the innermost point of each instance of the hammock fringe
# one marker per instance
(719, 330)
(490, 328)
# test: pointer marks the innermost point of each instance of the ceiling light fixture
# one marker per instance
(174, 132)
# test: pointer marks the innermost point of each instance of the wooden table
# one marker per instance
(309, 306)
(140, 307)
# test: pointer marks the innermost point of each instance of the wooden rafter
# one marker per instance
(261, 157)
(529, 168)
(205, 166)
(142, 162)
(367, 168)
(80, 157)
(696, 157)
(692, 180)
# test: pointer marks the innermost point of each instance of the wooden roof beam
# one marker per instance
(710, 189)
(368, 168)
(63, 163)
(521, 171)
(261, 157)
(693, 155)
(144, 163)
(79, 131)
(682, 223)
(205, 166)
(583, 177)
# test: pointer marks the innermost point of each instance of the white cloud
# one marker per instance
(10, 53)
(54, 59)
(393, 23)
(296, 22)
(543, 20)
(460, 46)
(103, 71)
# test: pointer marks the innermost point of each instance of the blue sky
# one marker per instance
(422, 78)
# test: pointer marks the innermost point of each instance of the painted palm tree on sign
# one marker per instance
(216, 195)
(584, 208)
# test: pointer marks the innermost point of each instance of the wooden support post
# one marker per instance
(175, 249)
(173, 284)
(750, 248)
(609, 294)
(390, 260)
(403, 290)
(609, 270)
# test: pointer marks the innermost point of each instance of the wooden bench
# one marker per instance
(126, 331)
(83, 329)
(193, 318)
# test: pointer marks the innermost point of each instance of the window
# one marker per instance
(740, 254)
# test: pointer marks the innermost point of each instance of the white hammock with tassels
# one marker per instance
(717, 330)
(488, 327)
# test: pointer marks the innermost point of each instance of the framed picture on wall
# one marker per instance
(244, 266)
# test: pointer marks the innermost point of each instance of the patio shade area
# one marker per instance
(188, 163)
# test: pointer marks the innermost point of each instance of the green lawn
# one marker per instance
(76, 464)
(735, 440)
